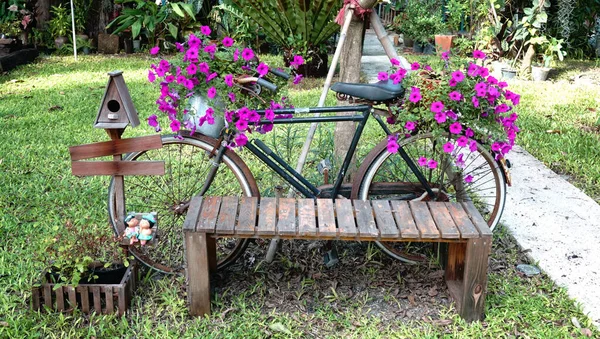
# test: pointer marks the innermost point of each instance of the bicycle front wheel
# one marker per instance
(187, 163)
(384, 175)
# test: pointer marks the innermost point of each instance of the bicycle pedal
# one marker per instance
(330, 258)
(325, 164)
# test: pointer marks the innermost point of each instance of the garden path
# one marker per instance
(554, 220)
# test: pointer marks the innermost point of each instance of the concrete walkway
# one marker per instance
(547, 215)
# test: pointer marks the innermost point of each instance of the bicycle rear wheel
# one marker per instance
(384, 175)
(186, 165)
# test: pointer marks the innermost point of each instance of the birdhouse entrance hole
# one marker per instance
(113, 106)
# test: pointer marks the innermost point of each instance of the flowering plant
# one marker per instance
(215, 71)
(467, 104)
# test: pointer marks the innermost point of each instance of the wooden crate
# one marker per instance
(101, 298)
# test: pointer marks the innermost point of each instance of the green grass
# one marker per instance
(51, 105)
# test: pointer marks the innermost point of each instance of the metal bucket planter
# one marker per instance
(509, 73)
(197, 107)
(539, 73)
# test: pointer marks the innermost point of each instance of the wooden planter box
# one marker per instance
(102, 298)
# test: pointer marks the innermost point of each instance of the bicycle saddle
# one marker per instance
(379, 91)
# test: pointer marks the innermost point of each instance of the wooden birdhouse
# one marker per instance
(117, 109)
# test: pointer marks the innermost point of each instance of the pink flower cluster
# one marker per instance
(469, 104)
(209, 69)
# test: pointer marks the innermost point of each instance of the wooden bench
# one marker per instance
(458, 224)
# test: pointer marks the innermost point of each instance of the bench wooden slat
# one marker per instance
(404, 219)
(443, 220)
(423, 220)
(385, 219)
(307, 220)
(227, 214)
(462, 221)
(267, 217)
(345, 218)
(286, 222)
(477, 219)
(365, 220)
(326, 218)
(193, 213)
(247, 220)
(208, 216)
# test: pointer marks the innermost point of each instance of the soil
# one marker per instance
(298, 281)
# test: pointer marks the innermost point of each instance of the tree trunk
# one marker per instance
(42, 13)
(527, 59)
(349, 72)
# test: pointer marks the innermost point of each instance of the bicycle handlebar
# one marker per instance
(279, 73)
(264, 83)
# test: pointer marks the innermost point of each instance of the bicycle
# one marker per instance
(382, 175)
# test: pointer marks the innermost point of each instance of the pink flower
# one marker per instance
(480, 86)
(298, 79)
(448, 147)
(241, 139)
(395, 62)
(392, 144)
(241, 124)
(455, 128)
(415, 66)
(204, 68)
(211, 93)
(473, 69)
(446, 55)
(440, 117)
(151, 76)
(492, 81)
(437, 106)
(415, 95)
(194, 41)
(496, 146)
(236, 54)
(455, 95)
(410, 125)
(469, 132)
(269, 114)
(475, 102)
(210, 49)
(462, 141)
(247, 54)
(432, 164)
(227, 41)
(179, 47)
(189, 84)
(154, 50)
(458, 76)
(423, 161)
(262, 69)
(205, 30)
(175, 125)
(211, 76)
(298, 61)
(478, 54)
(382, 76)
(229, 80)
(181, 79)
(472, 146)
(469, 179)
(191, 69)
(153, 120)
(452, 82)
(450, 114)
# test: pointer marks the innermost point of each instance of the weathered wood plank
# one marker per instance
(118, 146)
(191, 218)
(404, 219)
(345, 218)
(477, 219)
(326, 218)
(423, 220)
(208, 214)
(475, 278)
(247, 220)
(97, 299)
(48, 296)
(60, 299)
(35, 298)
(286, 220)
(227, 214)
(455, 261)
(462, 221)
(123, 299)
(72, 296)
(108, 294)
(267, 217)
(84, 294)
(367, 229)
(197, 273)
(85, 168)
(443, 220)
(307, 220)
(384, 218)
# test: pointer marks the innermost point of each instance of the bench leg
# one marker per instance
(201, 260)
(466, 276)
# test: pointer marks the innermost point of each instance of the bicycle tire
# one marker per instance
(186, 164)
(487, 190)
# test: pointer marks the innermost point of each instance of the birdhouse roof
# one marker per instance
(116, 90)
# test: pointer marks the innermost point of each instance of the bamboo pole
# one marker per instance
(73, 31)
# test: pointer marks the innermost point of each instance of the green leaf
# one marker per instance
(189, 9)
(136, 28)
(173, 30)
(177, 9)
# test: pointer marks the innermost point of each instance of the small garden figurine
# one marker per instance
(146, 230)
(132, 231)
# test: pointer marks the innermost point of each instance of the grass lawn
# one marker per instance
(51, 105)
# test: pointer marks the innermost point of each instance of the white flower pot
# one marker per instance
(197, 109)
(539, 73)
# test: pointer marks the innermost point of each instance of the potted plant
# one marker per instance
(422, 22)
(82, 10)
(86, 267)
(549, 49)
(60, 24)
(454, 11)
(85, 45)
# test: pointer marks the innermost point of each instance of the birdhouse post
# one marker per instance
(116, 112)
